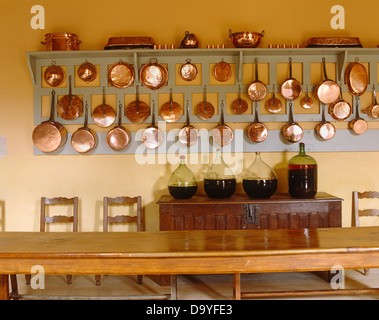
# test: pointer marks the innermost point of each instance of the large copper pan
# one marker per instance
(84, 139)
(327, 91)
(291, 89)
(118, 138)
(70, 106)
(257, 90)
(49, 135)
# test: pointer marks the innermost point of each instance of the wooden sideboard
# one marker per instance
(241, 212)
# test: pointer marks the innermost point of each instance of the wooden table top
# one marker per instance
(210, 243)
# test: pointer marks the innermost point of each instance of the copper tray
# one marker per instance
(333, 42)
(129, 43)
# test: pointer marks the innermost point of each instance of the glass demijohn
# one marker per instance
(302, 175)
(260, 181)
(182, 183)
(219, 180)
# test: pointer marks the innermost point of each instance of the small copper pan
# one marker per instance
(239, 105)
(222, 134)
(188, 71)
(340, 109)
(222, 71)
(171, 111)
(70, 106)
(118, 138)
(273, 104)
(257, 131)
(103, 115)
(292, 132)
(373, 110)
(84, 139)
(291, 89)
(54, 75)
(358, 125)
(205, 110)
(87, 71)
(152, 137)
(137, 111)
(49, 135)
(307, 102)
(327, 91)
(188, 135)
(121, 75)
(325, 130)
(257, 90)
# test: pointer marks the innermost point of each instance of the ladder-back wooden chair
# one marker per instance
(125, 219)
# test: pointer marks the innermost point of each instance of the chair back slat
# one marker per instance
(366, 212)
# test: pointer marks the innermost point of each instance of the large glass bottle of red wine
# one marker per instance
(182, 183)
(219, 180)
(259, 180)
(302, 175)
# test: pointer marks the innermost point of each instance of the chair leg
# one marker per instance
(69, 279)
(14, 286)
(139, 279)
(365, 271)
(97, 279)
(174, 285)
(28, 277)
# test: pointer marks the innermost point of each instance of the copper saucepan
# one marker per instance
(49, 135)
(171, 111)
(358, 125)
(257, 90)
(54, 75)
(118, 138)
(239, 105)
(137, 111)
(70, 106)
(325, 130)
(257, 131)
(340, 109)
(103, 115)
(188, 135)
(205, 110)
(327, 91)
(152, 136)
(292, 132)
(84, 139)
(222, 134)
(373, 110)
(291, 89)
(273, 104)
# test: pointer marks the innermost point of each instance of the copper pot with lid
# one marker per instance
(61, 41)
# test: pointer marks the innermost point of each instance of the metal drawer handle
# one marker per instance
(251, 213)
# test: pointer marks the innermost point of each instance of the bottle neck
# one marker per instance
(302, 149)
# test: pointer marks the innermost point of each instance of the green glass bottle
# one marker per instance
(302, 175)
(182, 183)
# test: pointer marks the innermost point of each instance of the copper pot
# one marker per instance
(246, 39)
(49, 135)
(327, 91)
(84, 139)
(189, 41)
(118, 138)
(61, 41)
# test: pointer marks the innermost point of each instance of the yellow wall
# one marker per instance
(24, 178)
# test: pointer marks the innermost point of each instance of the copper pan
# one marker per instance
(121, 75)
(306, 102)
(137, 111)
(327, 91)
(49, 135)
(84, 139)
(291, 89)
(325, 130)
(87, 71)
(103, 115)
(273, 104)
(205, 110)
(69, 106)
(340, 109)
(171, 111)
(356, 78)
(292, 132)
(153, 75)
(188, 71)
(239, 105)
(257, 90)
(54, 75)
(188, 135)
(222, 134)
(222, 71)
(358, 125)
(152, 136)
(257, 131)
(373, 110)
(118, 138)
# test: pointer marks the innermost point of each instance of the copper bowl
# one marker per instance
(246, 39)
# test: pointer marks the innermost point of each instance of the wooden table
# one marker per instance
(188, 252)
